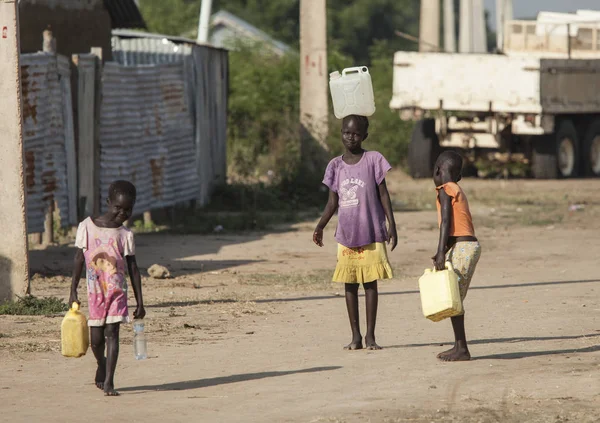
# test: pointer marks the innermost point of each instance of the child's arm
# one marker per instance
(446, 210)
(330, 208)
(136, 282)
(386, 202)
(78, 262)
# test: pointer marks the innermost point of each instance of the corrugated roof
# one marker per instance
(225, 18)
(124, 14)
(128, 33)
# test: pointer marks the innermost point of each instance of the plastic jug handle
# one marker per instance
(357, 69)
(75, 306)
(449, 266)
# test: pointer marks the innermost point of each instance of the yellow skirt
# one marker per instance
(362, 264)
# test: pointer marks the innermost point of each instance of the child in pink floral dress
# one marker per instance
(106, 247)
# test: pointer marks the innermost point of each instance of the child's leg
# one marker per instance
(464, 257)
(352, 306)
(111, 332)
(371, 300)
(98, 345)
(460, 351)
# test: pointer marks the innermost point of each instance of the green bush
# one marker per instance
(33, 306)
(263, 125)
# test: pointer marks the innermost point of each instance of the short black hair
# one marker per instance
(122, 187)
(450, 158)
(362, 121)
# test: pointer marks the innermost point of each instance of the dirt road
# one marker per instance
(250, 329)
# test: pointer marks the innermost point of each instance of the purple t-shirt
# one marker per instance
(361, 218)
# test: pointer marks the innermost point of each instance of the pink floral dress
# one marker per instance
(105, 250)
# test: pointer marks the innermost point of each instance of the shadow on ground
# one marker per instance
(166, 250)
(205, 383)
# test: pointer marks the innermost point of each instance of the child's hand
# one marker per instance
(73, 298)
(139, 312)
(318, 236)
(393, 237)
(439, 261)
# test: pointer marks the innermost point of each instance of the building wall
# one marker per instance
(77, 25)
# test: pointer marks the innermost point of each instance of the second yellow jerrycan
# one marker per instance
(440, 294)
(74, 333)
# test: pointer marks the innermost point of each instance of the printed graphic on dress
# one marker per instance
(349, 190)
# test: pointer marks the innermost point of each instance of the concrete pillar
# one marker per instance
(449, 27)
(429, 25)
(479, 33)
(472, 37)
(465, 36)
(314, 79)
(504, 13)
(14, 270)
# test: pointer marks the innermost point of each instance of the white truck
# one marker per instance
(539, 100)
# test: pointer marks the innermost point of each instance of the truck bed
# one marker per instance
(495, 83)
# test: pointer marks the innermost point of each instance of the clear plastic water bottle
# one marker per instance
(139, 340)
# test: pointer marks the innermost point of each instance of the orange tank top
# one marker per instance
(462, 222)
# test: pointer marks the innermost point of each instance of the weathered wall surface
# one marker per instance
(14, 277)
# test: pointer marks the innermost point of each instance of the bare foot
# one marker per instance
(110, 391)
(354, 345)
(372, 345)
(100, 375)
(455, 354)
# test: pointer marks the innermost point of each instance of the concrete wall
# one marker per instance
(14, 277)
(76, 29)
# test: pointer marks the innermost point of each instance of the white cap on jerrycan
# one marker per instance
(352, 92)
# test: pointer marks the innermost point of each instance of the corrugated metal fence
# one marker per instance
(48, 140)
(147, 133)
(161, 126)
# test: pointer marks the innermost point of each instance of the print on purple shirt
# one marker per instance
(361, 218)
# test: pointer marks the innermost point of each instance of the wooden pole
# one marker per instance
(49, 46)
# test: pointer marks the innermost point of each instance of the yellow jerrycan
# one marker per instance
(440, 294)
(74, 333)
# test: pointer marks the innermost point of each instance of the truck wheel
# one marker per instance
(423, 148)
(557, 156)
(591, 150)
(544, 159)
(567, 146)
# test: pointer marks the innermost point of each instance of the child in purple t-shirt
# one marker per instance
(357, 190)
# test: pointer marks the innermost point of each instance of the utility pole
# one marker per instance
(204, 21)
(14, 266)
(429, 25)
(314, 89)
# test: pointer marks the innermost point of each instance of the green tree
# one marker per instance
(263, 124)
(170, 17)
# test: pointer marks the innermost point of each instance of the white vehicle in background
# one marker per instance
(539, 100)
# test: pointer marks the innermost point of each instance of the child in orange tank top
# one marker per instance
(457, 244)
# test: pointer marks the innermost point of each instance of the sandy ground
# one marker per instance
(250, 330)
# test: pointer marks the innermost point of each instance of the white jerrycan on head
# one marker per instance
(352, 92)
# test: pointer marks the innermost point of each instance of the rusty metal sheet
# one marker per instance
(44, 138)
(147, 133)
(210, 69)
